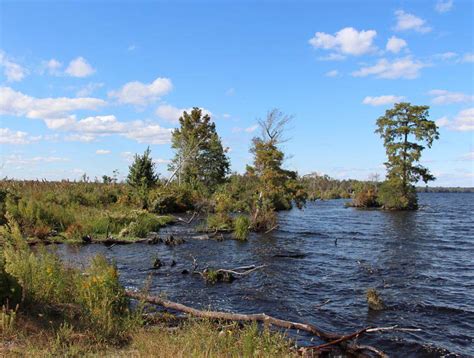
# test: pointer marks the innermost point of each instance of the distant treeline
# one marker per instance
(441, 189)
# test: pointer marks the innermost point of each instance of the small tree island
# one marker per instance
(406, 131)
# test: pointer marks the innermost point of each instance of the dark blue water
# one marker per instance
(421, 263)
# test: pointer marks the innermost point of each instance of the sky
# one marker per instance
(85, 85)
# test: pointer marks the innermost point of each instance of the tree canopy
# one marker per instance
(200, 158)
(406, 131)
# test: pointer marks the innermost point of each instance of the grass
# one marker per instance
(62, 311)
(68, 211)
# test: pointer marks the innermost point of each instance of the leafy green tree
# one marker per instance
(406, 130)
(278, 187)
(200, 158)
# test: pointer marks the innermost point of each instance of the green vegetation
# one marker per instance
(60, 311)
(60, 211)
(241, 227)
(200, 159)
(406, 130)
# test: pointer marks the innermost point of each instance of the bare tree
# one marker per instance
(273, 126)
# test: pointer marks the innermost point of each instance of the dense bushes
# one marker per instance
(394, 196)
(45, 281)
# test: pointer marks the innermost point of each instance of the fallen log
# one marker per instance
(332, 339)
(258, 317)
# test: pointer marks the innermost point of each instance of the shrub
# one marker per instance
(172, 199)
(365, 196)
(105, 306)
(241, 227)
(392, 196)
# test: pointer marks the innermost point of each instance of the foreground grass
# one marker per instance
(194, 338)
(50, 309)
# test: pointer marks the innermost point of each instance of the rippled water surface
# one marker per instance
(422, 264)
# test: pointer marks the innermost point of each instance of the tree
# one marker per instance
(406, 130)
(278, 187)
(200, 158)
(141, 173)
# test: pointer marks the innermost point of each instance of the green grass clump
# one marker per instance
(241, 227)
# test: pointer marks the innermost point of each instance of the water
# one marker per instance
(420, 262)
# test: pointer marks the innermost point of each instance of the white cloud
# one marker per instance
(446, 55)
(251, 129)
(333, 73)
(8, 136)
(12, 71)
(99, 125)
(54, 111)
(88, 89)
(16, 159)
(80, 138)
(468, 57)
(407, 21)
(79, 67)
(53, 67)
(139, 93)
(442, 122)
(463, 122)
(395, 44)
(398, 68)
(102, 151)
(443, 6)
(382, 100)
(446, 97)
(172, 114)
(347, 41)
(332, 57)
(148, 133)
(90, 128)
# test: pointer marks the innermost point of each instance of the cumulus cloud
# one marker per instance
(462, 122)
(382, 100)
(395, 44)
(407, 21)
(12, 71)
(139, 93)
(79, 67)
(347, 41)
(53, 111)
(52, 67)
(172, 114)
(443, 6)
(399, 68)
(446, 97)
(90, 128)
(8, 136)
(333, 73)
(102, 151)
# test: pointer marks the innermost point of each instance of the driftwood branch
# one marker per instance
(332, 339)
(187, 221)
(259, 317)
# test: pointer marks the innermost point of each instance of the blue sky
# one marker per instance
(84, 85)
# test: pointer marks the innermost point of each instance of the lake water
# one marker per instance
(421, 263)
